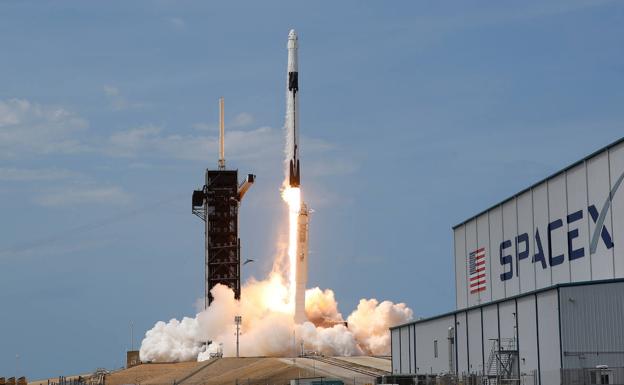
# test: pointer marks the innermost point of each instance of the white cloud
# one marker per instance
(28, 128)
(177, 22)
(83, 194)
(201, 126)
(316, 145)
(242, 120)
(25, 174)
(263, 148)
(131, 142)
(118, 101)
(111, 91)
(31, 128)
(152, 141)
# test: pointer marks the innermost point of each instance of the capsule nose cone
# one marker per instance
(292, 34)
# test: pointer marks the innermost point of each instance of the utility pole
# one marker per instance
(131, 336)
(237, 320)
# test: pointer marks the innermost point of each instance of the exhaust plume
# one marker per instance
(267, 307)
(268, 328)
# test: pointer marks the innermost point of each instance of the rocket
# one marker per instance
(294, 176)
(301, 278)
(292, 113)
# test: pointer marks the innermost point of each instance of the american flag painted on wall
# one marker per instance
(476, 271)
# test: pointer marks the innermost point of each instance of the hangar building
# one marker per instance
(539, 286)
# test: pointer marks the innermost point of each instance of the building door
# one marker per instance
(601, 376)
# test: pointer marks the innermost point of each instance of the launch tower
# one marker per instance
(217, 205)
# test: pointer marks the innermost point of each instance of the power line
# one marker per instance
(86, 227)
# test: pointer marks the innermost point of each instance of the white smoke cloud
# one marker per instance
(268, 329)
(172, 341)
(321, 307)
(370, 321)
(267, 308)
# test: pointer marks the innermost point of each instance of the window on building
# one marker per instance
(435, 348)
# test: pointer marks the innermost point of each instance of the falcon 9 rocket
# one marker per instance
(292, 115)
(299, 259)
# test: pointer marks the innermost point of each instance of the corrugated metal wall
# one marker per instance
(564, 210)
(427, 334)
(533, 320)
(527, 326)
(461, 342)
(475, 341)
(548, 341)
(413, 347)
(592, 325)
(396, 352)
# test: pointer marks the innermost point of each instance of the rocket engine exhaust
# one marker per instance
(301, 265)
(274, 309)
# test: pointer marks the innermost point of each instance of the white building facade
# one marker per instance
(538, 284)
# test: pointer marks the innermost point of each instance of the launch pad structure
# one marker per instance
(217, 205)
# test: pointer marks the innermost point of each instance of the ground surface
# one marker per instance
(251, 371)
(374, 362)
(152, 373)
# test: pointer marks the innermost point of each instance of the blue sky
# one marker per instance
(415, 115)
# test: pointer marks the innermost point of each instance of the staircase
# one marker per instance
(501, 362)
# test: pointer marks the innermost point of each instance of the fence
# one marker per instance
(592, 376)
(581, 376)
(529, 378)
(584, 376)
(12, 381)
(62, 380)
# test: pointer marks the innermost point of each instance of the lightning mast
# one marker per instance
(221, 136)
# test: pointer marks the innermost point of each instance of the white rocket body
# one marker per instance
(294, 179)
(292, 113)
(301, 277)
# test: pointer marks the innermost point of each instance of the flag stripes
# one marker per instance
(476, 271)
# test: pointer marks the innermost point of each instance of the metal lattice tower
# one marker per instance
(217, 205)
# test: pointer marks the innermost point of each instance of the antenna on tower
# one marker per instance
(221, 136)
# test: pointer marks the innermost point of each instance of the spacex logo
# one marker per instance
(544, 255)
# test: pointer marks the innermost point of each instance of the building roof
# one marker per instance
(542, 181)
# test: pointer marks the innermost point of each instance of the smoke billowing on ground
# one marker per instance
(267, 306)
(268, 328)
(267, 310)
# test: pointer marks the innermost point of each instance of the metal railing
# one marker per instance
(501, 367)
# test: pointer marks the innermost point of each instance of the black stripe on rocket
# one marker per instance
(294, 178)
